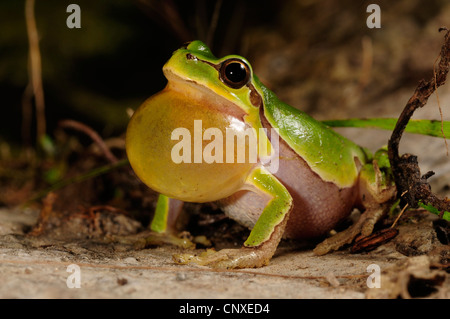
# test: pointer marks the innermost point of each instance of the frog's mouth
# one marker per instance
(191, 89)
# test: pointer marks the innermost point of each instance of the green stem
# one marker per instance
(80, 178)
(434, 210)
(425, 127)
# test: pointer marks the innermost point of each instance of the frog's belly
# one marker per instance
(318, 205)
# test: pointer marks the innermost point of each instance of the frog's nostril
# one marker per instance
(186, 44)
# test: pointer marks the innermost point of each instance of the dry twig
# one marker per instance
(35, 70)
(93, 135)
(408, 179)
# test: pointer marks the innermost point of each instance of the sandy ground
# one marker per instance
(42, 272)
(30, 268)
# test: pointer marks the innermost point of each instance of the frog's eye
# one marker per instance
(235, 73)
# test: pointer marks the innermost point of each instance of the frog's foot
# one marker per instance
(364, 227)
(244, 257)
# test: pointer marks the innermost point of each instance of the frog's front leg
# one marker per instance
(265, 236)
(163, 224)
(376, 192)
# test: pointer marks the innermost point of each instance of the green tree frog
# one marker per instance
(320, 177)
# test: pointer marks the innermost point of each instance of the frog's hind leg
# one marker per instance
(376, 193)
(265, 236)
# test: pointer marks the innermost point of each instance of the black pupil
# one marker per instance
(235, 72)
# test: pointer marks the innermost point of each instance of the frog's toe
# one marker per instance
(363, 226)
(226, 258)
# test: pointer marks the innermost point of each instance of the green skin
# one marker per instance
(332, 157)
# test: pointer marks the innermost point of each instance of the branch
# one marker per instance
(92, 134)
(410, 183)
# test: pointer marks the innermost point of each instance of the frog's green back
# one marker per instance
(329, 154)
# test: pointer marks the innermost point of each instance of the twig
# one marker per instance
(405, 169)
(399, 215)
(92, 134)
(167, 14)
(439, 105)
(35, 69)
(44, 215)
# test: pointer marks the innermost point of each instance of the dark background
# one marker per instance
(309, 52)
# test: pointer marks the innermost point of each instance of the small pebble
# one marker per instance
(332, 280)
(181, 276)
(130, 260)
(122, 281)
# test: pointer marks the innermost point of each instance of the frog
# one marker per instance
(320, 178)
